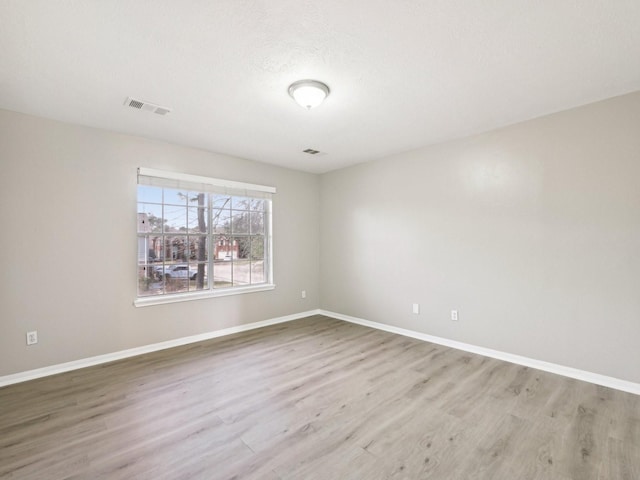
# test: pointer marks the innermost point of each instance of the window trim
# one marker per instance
(195, 180)
(190, 296)
(209, 185)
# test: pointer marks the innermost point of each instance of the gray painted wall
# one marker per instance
(68, 216)
(532, 232)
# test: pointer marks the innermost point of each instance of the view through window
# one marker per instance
(191, 240)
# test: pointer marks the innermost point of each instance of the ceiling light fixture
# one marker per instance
(308, 93)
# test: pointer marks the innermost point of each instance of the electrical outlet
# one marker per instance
(416, 308)
(32, 337)
(454, 315)
(303, 294)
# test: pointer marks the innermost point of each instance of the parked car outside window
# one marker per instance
(176, 271)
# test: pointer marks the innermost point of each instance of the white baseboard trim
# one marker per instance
(132, 352)
(570, 372)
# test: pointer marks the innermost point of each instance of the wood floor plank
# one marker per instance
(316, 398)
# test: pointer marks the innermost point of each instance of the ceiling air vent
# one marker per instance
(311, 151)
(146, 106)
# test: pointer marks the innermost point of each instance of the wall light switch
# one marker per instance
(416, 308)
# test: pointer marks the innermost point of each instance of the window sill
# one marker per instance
(187, 297)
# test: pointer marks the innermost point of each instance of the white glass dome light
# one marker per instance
(308, 93)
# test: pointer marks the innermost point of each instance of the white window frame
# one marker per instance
(175, 180)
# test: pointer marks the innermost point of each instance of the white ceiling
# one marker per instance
(403, 74)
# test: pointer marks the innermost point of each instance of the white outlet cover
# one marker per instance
(454, 315)
(32, 338)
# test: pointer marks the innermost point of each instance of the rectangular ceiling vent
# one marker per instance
(146, 106)
(311, 151)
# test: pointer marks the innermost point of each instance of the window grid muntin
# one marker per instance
(211, 236)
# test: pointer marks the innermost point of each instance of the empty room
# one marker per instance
(289, 240)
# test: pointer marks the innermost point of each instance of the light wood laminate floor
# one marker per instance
(316, 398)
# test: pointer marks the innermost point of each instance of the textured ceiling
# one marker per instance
(402, 74)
